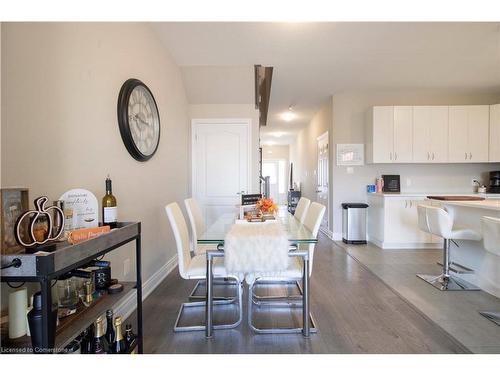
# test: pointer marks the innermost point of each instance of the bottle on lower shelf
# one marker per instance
(101, 345)
(130, 340)
(119, 345)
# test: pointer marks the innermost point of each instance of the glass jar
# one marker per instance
(68, 293)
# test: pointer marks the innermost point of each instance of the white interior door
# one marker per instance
(220, 165)
(322, 176)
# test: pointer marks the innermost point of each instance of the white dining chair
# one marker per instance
(294, 274)
(194, 268)
(301, 209)
(197, 229)
(197, 225)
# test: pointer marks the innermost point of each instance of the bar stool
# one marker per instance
(491, 242)
(437, 221)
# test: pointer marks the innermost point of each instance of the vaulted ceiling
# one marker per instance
(313, 61)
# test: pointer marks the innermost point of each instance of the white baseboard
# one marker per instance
(127, 306)
(327, 232)
(337, 236)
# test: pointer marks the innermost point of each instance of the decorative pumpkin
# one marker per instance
(40, 214)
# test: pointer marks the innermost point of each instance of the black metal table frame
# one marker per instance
(46, 281)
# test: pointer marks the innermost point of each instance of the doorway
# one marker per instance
(322, 195)
(276, 169)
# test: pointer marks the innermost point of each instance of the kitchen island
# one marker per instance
(468, 214)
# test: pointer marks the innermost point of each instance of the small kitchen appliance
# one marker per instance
(392, 183)
(494, 182)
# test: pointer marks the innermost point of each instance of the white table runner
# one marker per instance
(252, 248)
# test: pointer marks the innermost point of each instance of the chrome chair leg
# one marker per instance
(239, 297)
(313, 326)
(225, 281)
(294, 300)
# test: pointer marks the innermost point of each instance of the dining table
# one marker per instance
(297, 234)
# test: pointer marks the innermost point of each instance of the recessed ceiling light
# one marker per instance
(288, 115)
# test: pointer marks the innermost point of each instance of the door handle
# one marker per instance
(465, 156)
(428, 156)
(390, 155)
(432, 156)
(470, 155)
(406, 204)
(395, 156)
(411, 204)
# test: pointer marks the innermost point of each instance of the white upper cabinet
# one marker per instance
(495, 133)
(433, 134)
(380, 135)
(389, 135)
(403, 134)
(468, 133)
(430, 134)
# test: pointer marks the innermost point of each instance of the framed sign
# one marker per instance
(350, 154)
(80, 209)
(14, 202)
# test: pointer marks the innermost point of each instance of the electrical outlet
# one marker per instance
(126, 267)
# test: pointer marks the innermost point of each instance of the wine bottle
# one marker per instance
(109, 210)
(101, 345)
(130, 338)
(119, 343)
(110, 330)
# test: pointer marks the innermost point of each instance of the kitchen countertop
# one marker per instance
(489, 204)
(425, 194)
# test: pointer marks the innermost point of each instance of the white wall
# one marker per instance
(206, 111)
(304, 152)
(279, 152)
(349, 111)
(59, 92)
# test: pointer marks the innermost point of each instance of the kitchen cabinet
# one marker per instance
(389, 134)
(380, 133)
(430, 134)
(494, 150)
(468, 130)
(403, 134)
(393, 222)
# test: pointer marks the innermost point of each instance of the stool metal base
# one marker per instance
(444, 283)
(493, 316)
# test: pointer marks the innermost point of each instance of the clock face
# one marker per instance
(138, 119)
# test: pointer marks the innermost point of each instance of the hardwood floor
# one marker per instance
(354, 310)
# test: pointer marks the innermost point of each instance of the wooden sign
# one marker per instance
(81, 235)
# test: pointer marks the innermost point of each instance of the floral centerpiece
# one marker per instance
(267, 206)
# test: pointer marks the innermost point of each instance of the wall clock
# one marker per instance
(138, 119)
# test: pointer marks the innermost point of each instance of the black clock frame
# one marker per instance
(123, 119)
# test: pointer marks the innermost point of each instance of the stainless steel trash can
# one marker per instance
(354, 223)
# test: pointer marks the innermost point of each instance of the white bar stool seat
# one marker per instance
(491, 242)
(437, 221)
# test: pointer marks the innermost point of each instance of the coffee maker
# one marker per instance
(494, 182)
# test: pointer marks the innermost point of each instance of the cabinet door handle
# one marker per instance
(395, 156)
(390, 155)
(406, 204)
(411, 204)
(465, 156)
(428, 156)
(470, 155)
(432, 156)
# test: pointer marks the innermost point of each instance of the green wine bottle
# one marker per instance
(109, 209)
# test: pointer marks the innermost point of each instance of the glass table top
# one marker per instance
(297, 232)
